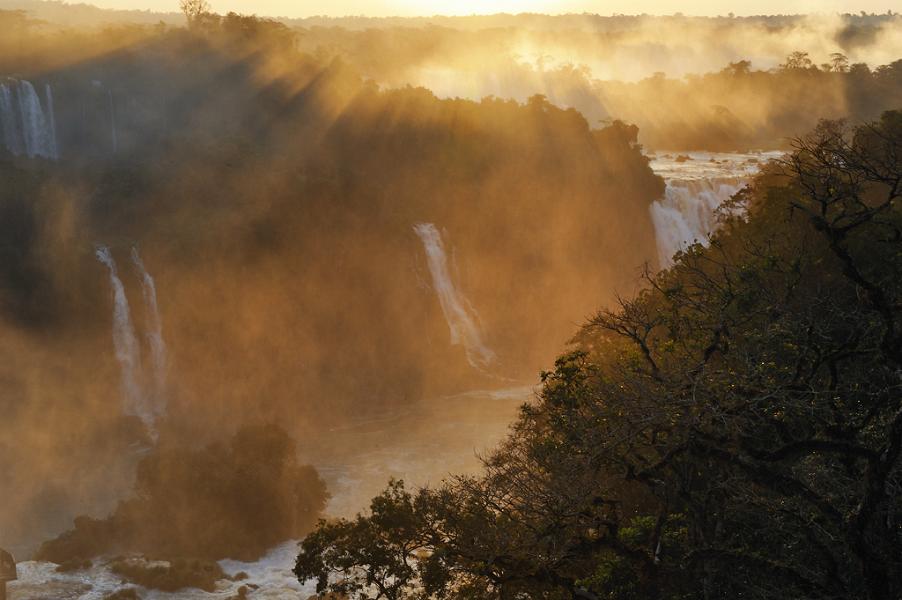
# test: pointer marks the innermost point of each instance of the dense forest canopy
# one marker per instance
(735, 430)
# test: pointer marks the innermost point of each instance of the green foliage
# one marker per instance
(735, 430)
(381, 548)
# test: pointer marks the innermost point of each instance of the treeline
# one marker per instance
(741, 107)
(726, 103)
(734, 430)
(624, 68)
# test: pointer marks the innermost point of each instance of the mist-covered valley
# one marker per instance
(252, 269)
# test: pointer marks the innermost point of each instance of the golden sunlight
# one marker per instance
(405, 299)
(471, 7)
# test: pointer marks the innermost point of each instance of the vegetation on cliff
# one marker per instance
(735, 430)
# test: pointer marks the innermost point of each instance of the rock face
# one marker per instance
(7, 571)
(7, 566)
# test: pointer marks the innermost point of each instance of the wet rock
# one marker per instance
(124, 594)
(170, 576)
(70, 566)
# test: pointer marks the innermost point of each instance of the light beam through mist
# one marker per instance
(461, 317)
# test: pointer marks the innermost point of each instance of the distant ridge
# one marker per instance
(55, 12)
(86, 15)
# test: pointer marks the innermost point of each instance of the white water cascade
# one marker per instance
(154, 333)
(51, 116)
(9, 121)
(27, 127)
(125, 343)
(460, 315)
(115, 134)
(686, 214)
(697, 184)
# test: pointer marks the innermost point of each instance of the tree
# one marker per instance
(839, 62)
(797, 60)
(735, 430)
(194, 10)
(739, 68)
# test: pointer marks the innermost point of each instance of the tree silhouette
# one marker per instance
(193, 9)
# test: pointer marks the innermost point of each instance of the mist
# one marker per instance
(321, 224)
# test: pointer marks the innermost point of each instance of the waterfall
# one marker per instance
(34, 124)
(687, 213)
(9, 121)
(113, 123)
(26, 128)
(154, 327)
(125, 343)
(51, 117)
(459, 314)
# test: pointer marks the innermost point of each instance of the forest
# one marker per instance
(734, 430)
(740, 82)
(240, 255)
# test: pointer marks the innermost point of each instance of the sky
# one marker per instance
(306, 8)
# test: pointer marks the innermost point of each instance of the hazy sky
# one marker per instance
(304, 8)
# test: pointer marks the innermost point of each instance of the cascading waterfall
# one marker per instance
(459, 314)
(154, 333)
(113, 123)
(697, 184)
(9, 121)
(125, 344)
(687, 213)
(34, 124)
(51, 117)
(27, 128)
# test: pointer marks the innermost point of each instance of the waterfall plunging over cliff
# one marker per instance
(459, 314)
(114, 133)
(697, 184)
(27, 127)
(687, 213)
(154, 334)
(51, 117)
(9, 121)
(125, 344)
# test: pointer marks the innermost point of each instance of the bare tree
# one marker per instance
(193, 9)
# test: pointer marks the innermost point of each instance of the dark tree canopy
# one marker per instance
(735, 430)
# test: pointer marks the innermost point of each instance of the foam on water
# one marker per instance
(269, 578)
